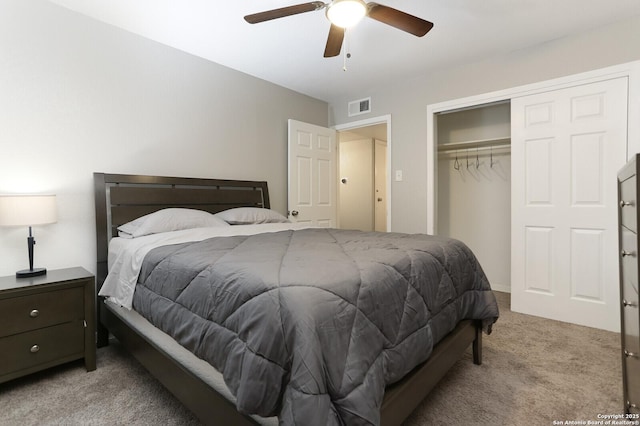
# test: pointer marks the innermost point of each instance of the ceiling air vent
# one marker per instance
(361, 106)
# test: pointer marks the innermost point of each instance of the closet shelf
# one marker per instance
(497, 142)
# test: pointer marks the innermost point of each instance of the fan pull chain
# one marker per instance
(345, 54)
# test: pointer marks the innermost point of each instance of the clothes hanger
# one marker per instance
(491, 157)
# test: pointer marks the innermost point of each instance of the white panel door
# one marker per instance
(566, 149)
(312, 174)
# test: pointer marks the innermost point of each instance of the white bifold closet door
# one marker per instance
(567, 146)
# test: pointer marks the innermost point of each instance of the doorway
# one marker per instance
(474, 184)
(363, 175)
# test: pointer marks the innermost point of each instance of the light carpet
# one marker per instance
(535, 371)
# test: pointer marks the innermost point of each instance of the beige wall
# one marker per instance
(407, 100)
(78, 96)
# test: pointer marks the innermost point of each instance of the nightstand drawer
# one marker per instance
(59, 343)
(24, 313)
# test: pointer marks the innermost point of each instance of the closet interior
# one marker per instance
(474, 184)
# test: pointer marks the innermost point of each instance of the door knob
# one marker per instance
(294, 213)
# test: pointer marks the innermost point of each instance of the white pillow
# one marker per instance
(166, 220)
(251, 215)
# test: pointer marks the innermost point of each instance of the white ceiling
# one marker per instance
(288, 51)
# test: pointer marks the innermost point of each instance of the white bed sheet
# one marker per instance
(126, 255)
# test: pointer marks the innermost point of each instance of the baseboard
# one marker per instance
(505, 288)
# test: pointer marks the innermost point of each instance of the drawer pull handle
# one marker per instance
(34, 349)
(630, 354)
(625, 253)
(629, 304)
(34, 313)
(626, 203)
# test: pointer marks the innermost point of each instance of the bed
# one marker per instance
(214, 396)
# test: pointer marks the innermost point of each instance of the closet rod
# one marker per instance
(471, 151)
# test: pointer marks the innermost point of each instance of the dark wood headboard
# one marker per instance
(122, 198)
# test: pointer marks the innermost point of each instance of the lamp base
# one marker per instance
(26, 273)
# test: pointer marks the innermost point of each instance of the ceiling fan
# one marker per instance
(345, 13)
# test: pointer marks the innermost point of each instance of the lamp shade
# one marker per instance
(27, 210)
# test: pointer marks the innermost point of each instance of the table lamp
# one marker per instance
(28, 210)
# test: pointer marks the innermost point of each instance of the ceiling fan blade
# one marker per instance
(284, 11)
(398, 19)
(334, 41)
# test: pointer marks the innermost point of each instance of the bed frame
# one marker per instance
(121, 198)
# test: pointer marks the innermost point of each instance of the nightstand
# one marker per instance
(46, 321)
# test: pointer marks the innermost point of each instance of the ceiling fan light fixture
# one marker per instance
(346, 13)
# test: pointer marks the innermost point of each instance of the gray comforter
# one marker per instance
(310, 325)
